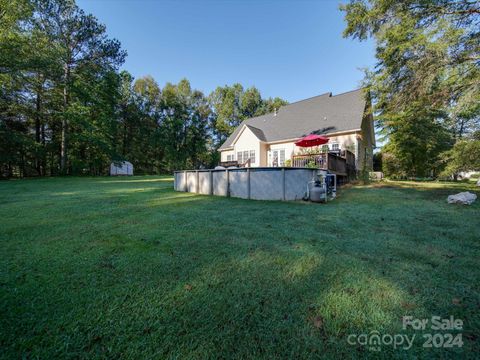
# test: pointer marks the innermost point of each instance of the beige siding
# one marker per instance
(224, 154)
(358, 142)
(263, 158)
(248, 141)
(289, 148)
(345, 141)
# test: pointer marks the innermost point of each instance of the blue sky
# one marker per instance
(291, 49)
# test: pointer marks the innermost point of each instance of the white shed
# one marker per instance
(121, 168)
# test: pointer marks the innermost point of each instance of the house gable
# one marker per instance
(245, 131)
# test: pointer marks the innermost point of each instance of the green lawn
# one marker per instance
(127, 268)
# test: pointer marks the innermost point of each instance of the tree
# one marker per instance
(64, 108)
(186, 119)
(16, 56)
(377, 161)
(416, 138)
(463, 157)
(424, 47)
(226, 103)
(82, 44)
(250, 103)
(233, 104)
(427, 78)
(272, 104)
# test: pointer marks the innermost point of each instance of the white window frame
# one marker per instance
(252, 156)
(279, 154)
(281, 161)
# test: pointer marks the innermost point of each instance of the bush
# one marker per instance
(377, 161)
(311, 165)
(391, 167)
(464, 156)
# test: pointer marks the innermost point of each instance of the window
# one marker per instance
(335, 146)
(276, 157)
(324, 148)
(243, 156)
(252, 156)
(282, 157)
(230, 157)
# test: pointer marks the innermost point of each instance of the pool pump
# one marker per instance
(323, 188)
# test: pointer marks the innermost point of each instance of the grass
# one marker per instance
(127, 268)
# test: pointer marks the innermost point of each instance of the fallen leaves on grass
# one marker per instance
(414, 291)
(456, 301)
(317, 321)
(408, 306)
(188, 287)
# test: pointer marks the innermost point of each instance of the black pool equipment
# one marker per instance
(331, 181)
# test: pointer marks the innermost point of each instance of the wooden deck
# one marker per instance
(235, 163)
(342, 164)
(228, 164)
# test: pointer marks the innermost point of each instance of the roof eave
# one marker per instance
(226, 148)
(327, 134)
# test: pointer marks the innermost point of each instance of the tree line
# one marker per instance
(66, 108)
(426, 83)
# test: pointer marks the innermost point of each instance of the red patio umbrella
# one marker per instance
(312, 140)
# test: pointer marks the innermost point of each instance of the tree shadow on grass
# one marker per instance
(197, 277)
(277, 303)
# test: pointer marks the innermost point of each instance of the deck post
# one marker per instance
(283, 184)
(248, 183)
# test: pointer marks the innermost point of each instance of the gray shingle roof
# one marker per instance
(321, 114)
(257, 132)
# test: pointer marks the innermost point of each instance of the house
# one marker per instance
(269, 140)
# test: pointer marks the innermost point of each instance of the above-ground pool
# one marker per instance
(262, 183)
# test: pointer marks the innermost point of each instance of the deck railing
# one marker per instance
(235, 163)
(341, 162)
(310, 160)
(337, 164)
(327, 161)
(227, 164)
